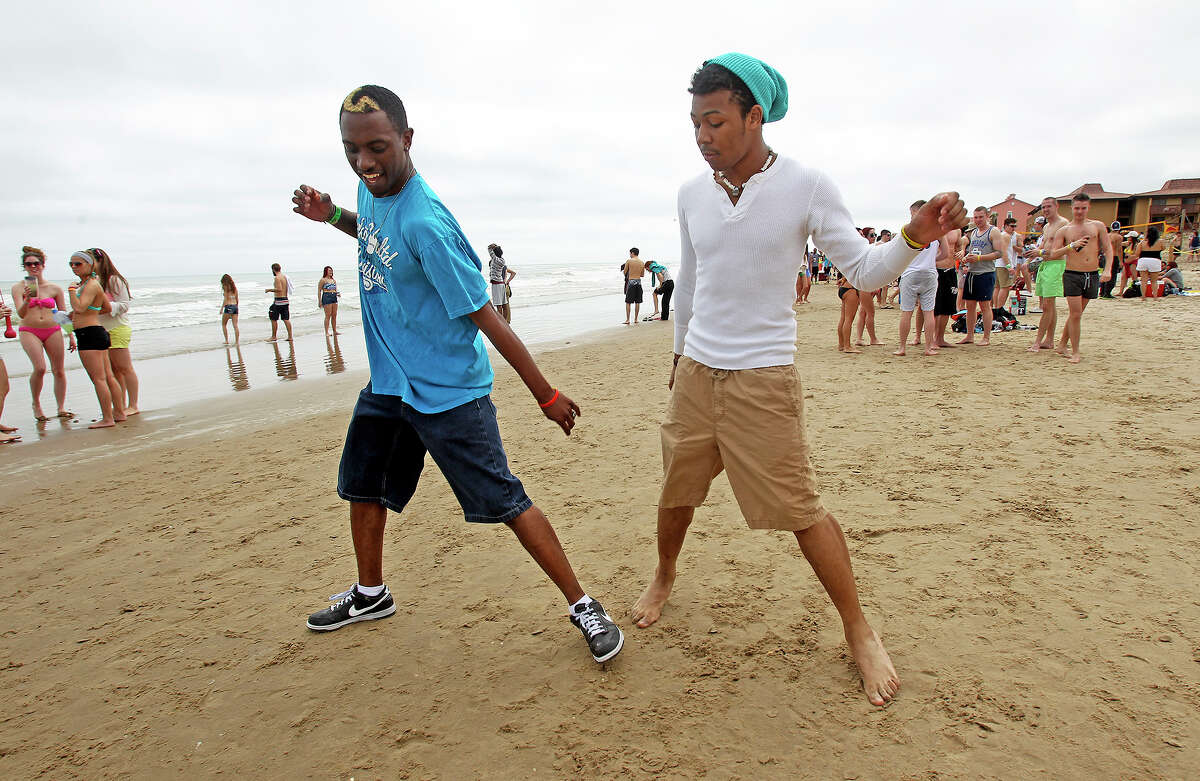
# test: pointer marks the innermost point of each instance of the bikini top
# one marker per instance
(330, 286)
(44, 303)
(90, 308)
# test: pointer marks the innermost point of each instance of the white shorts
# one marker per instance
(499, 295)
(918, 285)
(1149, 264)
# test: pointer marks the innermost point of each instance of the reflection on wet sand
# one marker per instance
(286, 367)
(237, 370)
(334, 364)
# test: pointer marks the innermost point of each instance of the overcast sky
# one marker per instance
(174, 138)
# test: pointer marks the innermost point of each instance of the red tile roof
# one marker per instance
(1095, 191)
(1177, 187)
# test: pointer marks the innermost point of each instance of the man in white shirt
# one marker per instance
(737, 404)
(918, 285)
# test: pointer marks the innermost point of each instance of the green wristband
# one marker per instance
(336, 216)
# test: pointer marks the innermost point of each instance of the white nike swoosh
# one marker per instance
(355, 613)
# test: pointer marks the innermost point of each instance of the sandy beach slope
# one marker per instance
(1025, 533)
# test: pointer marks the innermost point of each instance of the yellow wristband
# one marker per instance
(910, 242)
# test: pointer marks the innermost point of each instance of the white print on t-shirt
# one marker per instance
(369, 244)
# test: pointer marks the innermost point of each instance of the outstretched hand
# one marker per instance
(563, 412)
(941, 214)
(313, 204)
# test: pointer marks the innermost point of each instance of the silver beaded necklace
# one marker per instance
(734, 189)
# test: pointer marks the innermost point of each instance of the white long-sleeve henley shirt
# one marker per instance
(738, 262)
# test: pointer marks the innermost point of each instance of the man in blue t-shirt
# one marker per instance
(424, 305)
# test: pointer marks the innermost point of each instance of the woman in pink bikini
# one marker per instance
(35, 300)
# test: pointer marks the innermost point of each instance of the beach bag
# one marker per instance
(1134, 291)
(507, 290)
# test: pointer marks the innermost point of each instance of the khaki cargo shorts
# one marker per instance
(749, 423)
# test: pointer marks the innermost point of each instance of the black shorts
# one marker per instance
(92, 337)
(280, 312)
(1081, 283)
(946, 302)
(633, 292)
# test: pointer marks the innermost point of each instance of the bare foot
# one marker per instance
(984, 342)
(944, 344)
(967, 340)
(7, 429)
(272, 340)
(1033, 348)
(900, 351)
(860, 343)
(120, 419)
(876, 343)
(103, 424)
(915, 343)
(63, 413)
(1061, 350)
(625, 323)
(649, 605)
(6, 437)
(132, 411)
(932, 351)
(852, 351)
(880, 681)
(1074, 358)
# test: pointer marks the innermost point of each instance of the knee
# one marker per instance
(39, 372)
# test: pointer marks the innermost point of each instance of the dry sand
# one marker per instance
(1024, 532)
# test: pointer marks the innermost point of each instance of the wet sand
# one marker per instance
(1024, 532)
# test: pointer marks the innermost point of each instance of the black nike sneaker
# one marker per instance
(604, 637)
(351, 606)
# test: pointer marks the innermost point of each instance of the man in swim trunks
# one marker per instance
(1049, 283)
(634, 269)
(737, 404)
(280, 308)
(1081, 241)
(985, 247)
(946, 300)
(425, 309)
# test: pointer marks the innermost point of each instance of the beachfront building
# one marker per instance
(1176, 198)
(1014, 207)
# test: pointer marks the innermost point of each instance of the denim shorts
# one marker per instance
(385, 452)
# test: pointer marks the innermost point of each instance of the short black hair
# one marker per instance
(711, 77)
(633, 250)
(1082, 197)
(1010, 220)
(370, 98)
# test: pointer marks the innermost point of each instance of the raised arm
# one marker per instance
(870, 266)
(319, 207)
(555, 404)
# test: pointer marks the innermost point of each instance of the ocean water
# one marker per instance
(174, 315)
(180, 355)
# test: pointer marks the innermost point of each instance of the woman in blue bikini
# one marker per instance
(327, 299)
(87, 302)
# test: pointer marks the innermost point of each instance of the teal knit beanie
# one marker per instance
(765, 83)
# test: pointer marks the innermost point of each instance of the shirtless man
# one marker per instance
(1049, 284)
(946, 301)
(634, 269)
(1081, 241)
(280, 308)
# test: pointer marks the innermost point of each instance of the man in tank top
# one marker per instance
(985, 245)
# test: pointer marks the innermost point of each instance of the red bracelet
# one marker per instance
(553, 399)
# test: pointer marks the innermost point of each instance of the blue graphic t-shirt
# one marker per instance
(418, 279)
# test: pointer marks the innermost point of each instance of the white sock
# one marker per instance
(580, 605)
(369, 591)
